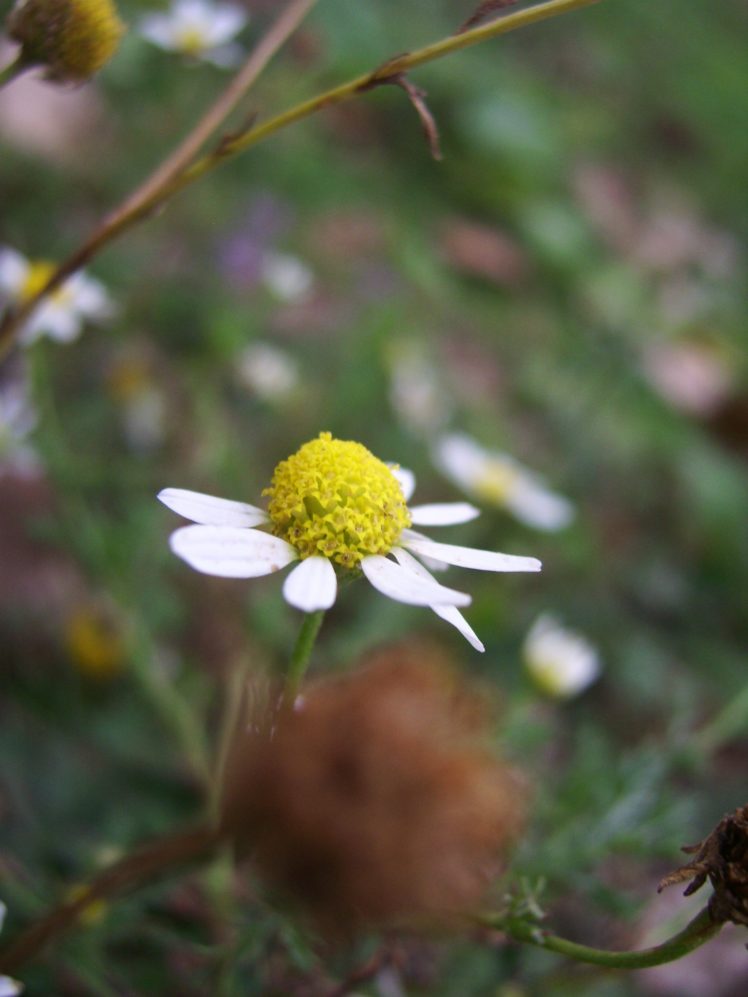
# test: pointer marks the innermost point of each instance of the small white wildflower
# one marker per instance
(198, 29)
(8, 986)
(692, 376)
(286, 276)
(60, 316)
(561, 663)
(416, 393)
(268, 372)
(18, 418)
(334, 507)
(501, 480)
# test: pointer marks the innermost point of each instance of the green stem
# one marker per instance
(233, 710)
(696, 933)
(151, 196)
(730, 722)
(393, 67)
(175, 711)
(13, 70)
(301, 654)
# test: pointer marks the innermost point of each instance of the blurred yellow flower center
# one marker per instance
(36, 278)
(496, 482)
(336, 499)
(192, 41)
(73, 38)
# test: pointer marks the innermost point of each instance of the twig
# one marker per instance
(186, 151)
(482, 11)
(137, 869)
(119, 221)
(156, 188)
(417, 97)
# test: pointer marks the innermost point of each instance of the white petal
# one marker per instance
(539, 507)
(227, 21)
(14, 269)
(405, 478)
(210, 510)
(312, 585)
(469, 557)
(158, 29)
(443, 513)
(10, 987)
(90, 297)
(230, 552)
(461, 458)
(398, 583)
(223, 56)
(449, 614)
(58, 321)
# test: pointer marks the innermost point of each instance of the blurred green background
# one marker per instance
(567, 286)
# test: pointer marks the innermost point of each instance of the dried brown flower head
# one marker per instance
(723, 858)
(72, 38)
(378, 797)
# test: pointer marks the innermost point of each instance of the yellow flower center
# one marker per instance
(336, 499)
(496, 483)
(36, 278)
(192, 41)
(73, 38)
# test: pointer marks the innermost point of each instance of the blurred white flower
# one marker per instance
(135, 387)
(561, 662)
(62, 315)
(500, 480)
(8, 986)
(198, 29)
(286, 276)
(268, 372)
(416, 393)
(17, 419)
(692, 376)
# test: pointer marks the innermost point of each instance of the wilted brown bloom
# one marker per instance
(723, 858)
(72, 38)
(377, 797)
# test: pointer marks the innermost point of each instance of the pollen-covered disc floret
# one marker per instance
(336, 499)
(73, 38)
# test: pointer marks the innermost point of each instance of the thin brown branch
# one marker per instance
(417, 97)
(106, 233)
(482, 11)
(154, 190)
(214, 117)
(143, 866)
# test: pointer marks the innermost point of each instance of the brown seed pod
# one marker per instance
(377, 798)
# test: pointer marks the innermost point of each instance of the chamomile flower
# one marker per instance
(334, 507)
(286, 276)
(198, 29)
(501, 480)
(560, 662)
(18, 420)
(62, 315)
(269, 373)
(8, 986)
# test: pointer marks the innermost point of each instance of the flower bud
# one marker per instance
(72, 38)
